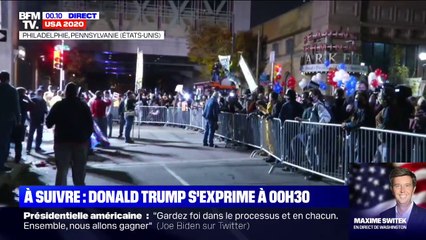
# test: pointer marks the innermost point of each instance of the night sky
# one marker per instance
(262, 11)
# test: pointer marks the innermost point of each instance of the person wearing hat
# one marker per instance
(388, 116)
(315, 148)
(291, 109)
(391, 117)
(10, 116)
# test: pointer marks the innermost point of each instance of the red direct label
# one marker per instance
(64, 24)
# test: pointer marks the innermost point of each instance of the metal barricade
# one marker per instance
(196, 118)
(378, 145)
(157, 114)
(178, 117)
(171, 115)
(182, 117)
(241, 127)
(270, 140)
(148, 114)
(253, 130)
(185, 117)
(226, 125)
(151, 114)
(278, 140)
(323, 149)
(115, 115)
(314, 147)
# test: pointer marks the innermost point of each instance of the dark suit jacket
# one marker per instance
(416, 222)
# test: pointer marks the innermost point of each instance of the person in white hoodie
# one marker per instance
(315, 148)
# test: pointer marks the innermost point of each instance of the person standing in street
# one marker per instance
(73, 127)
(211, 114)
(98, 108)
(108, 112)
(129, 115)
(18, 133)
(121, 114)
(10, 116)
(38, 112)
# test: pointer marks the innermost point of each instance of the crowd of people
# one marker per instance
(77, 116)
(390, 108)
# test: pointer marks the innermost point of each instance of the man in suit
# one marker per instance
(403, 186)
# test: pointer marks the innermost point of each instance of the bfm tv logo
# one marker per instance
(29, 19)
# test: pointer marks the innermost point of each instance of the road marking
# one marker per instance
(181, 180)
(135, 163)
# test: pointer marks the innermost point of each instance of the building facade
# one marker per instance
(381, 27)
(174, 17)
(9, 41)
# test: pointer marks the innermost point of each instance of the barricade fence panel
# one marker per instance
(151, 114)
(196, 118)
(391, 146)
(270, 140)
(225, 120)
(277, 138)
(324, 149)
(115, 114)
(178, 116)
(314, 147)
(254, 130)
(240, 128)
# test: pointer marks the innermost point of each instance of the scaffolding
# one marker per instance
(159, 13)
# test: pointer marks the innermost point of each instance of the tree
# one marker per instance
(209, 41)
(76, 64)
(206, 43)
(246, 43)
(398, 73)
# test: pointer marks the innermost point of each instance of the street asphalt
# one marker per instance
(161, 155)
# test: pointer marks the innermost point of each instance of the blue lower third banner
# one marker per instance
(179, 212)
(183, 197)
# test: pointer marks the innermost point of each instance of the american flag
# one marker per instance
(369, 187)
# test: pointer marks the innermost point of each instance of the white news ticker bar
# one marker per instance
(91, 35)
(70, 15)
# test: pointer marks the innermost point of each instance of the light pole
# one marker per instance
(17, 54)
(422, 58)
(62, 72)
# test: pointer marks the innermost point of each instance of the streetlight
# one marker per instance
(422, 56)
(19, 53)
